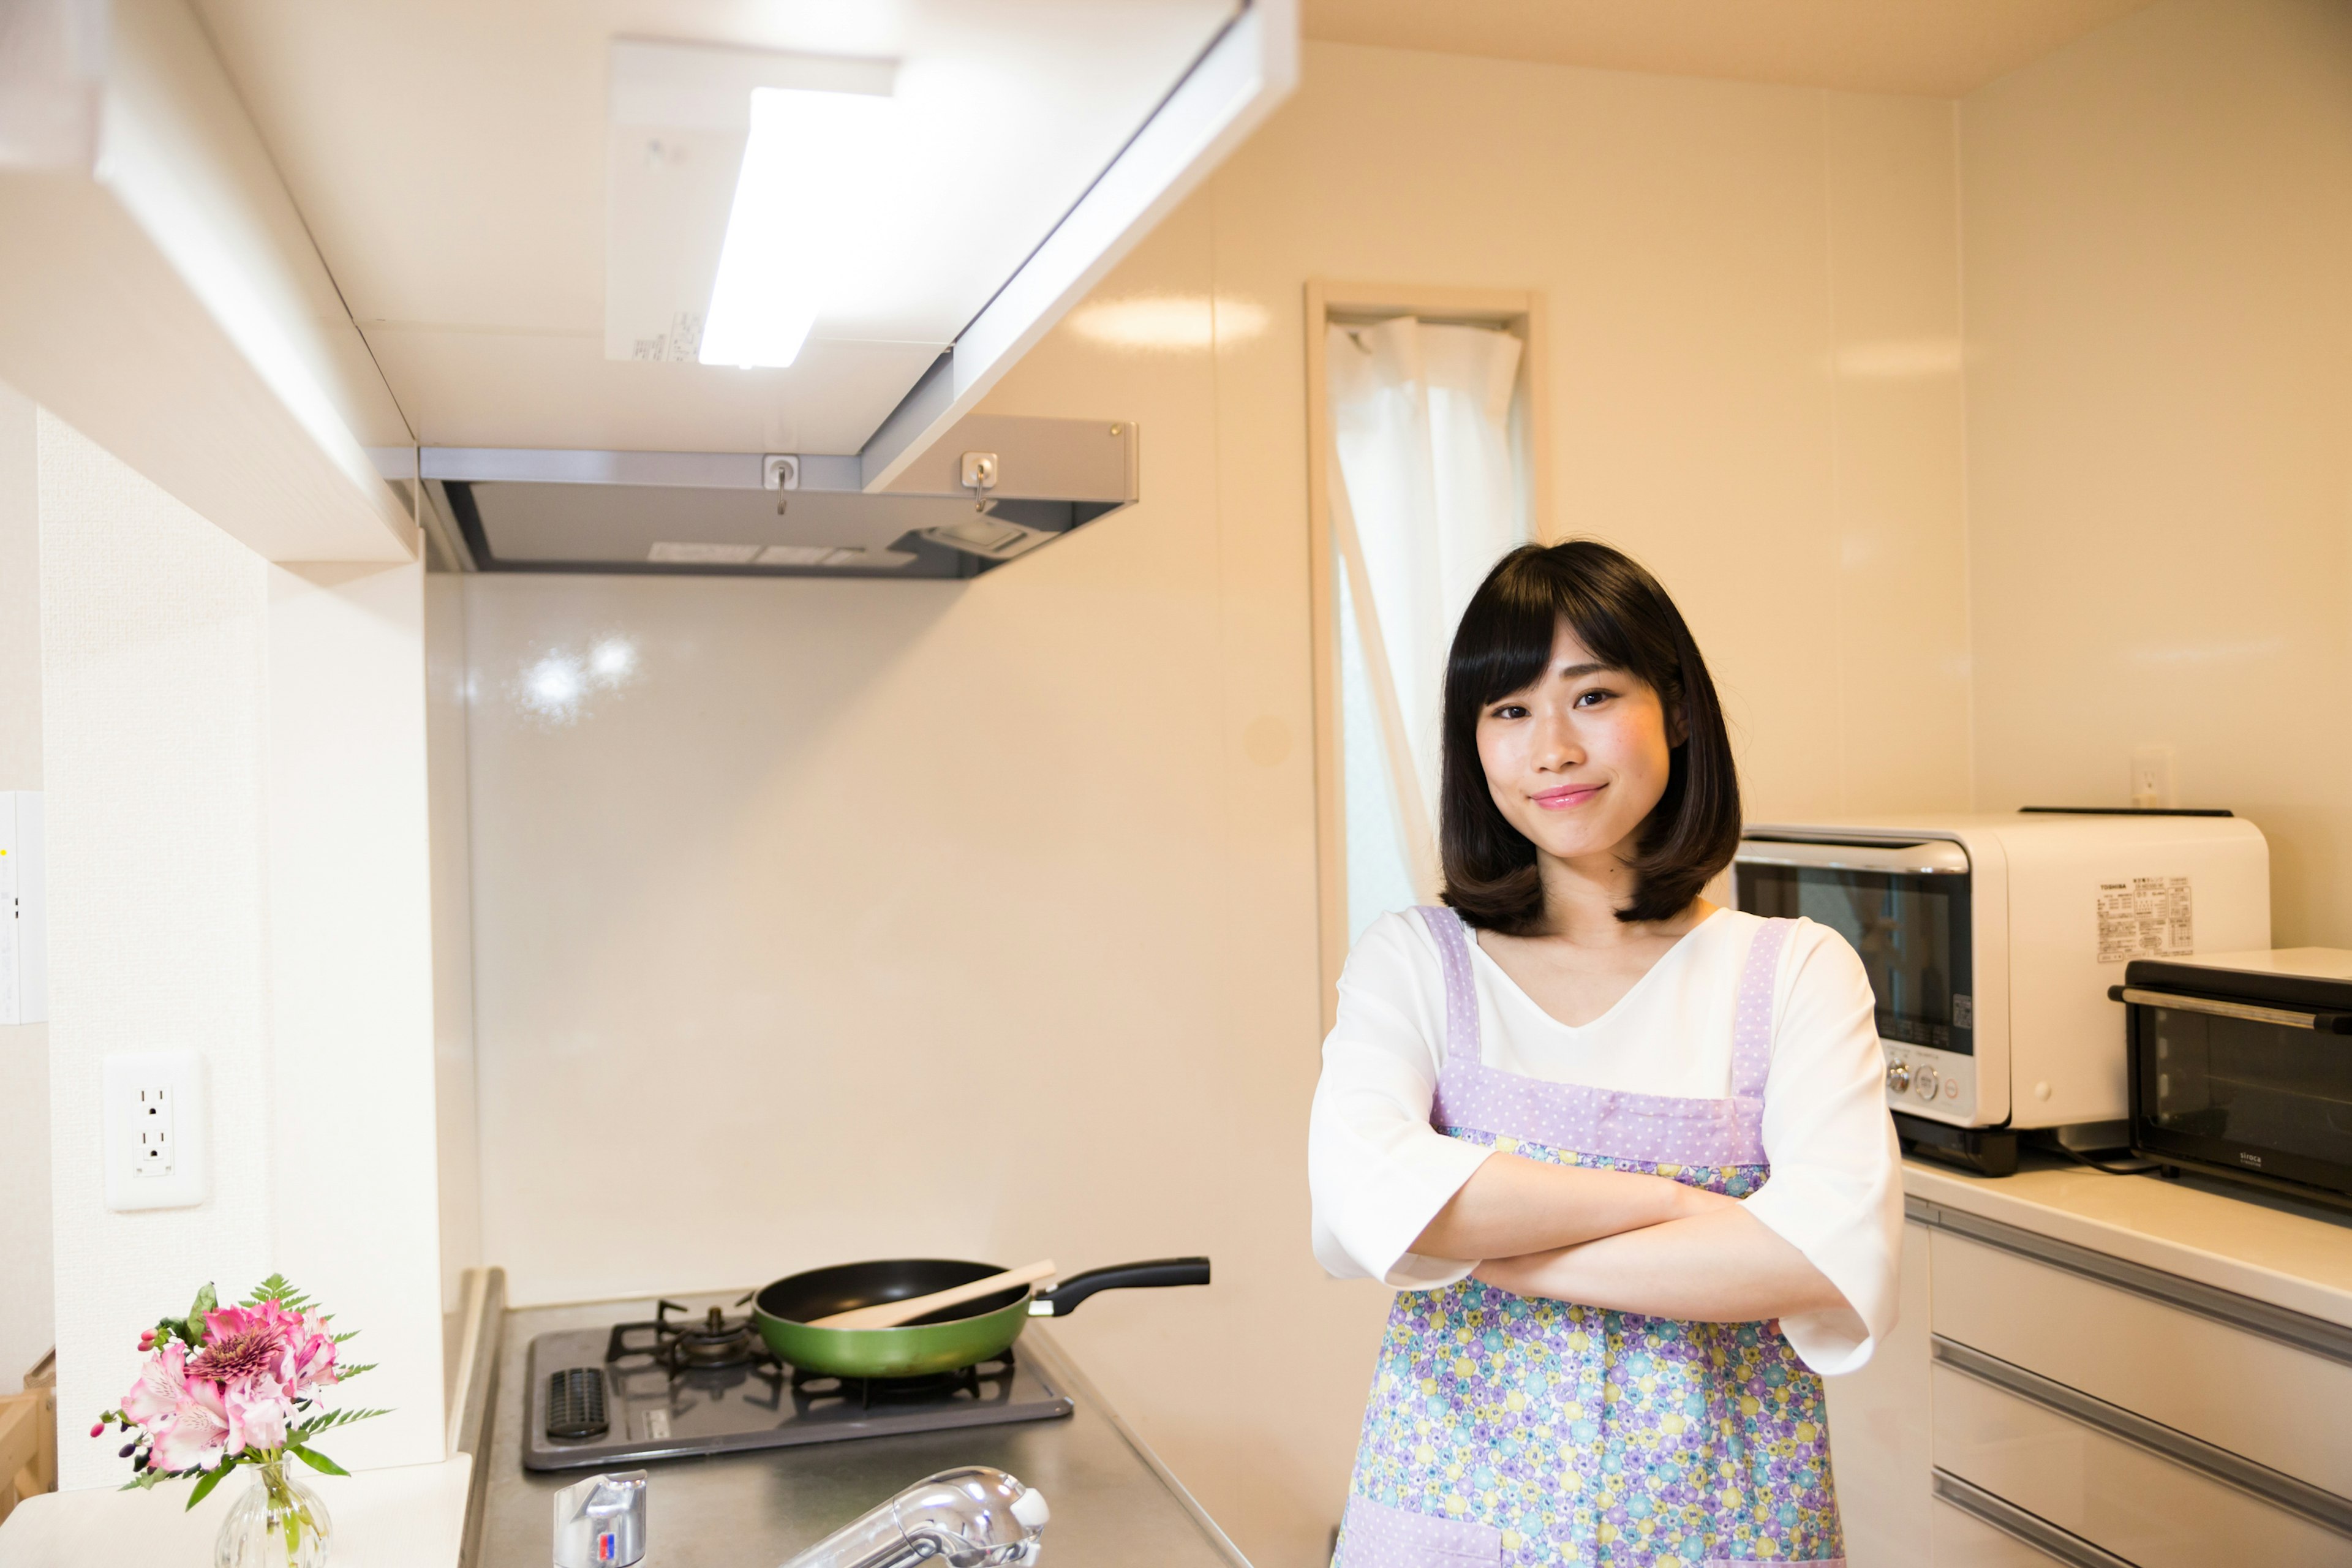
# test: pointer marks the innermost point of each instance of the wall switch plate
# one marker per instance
(2151, 778)
(24, 911)
(158, 1153)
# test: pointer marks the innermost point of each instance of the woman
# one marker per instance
(1625, 1151)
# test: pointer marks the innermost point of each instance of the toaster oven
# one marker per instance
(1992, 942)
(2240, 1068)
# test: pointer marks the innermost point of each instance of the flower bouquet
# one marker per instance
(226, 1387)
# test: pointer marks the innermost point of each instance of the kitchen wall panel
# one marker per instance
(843, 919)
(2160, 412)
(153, 627)
(28, 1313)
(456, 1124)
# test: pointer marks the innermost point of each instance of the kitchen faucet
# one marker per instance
(971, 1517)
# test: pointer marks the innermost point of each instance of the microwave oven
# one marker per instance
(2240, 1067)
(1992, 942)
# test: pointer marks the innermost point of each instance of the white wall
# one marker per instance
(154, 629)
(354, 1194)
(862, 919)
(459, 1173)
(235, 761)
(26, 1315)
(2159, 219)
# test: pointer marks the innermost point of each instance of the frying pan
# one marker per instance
(945, 1341)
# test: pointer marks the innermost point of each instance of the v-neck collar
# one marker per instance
(1479, 954)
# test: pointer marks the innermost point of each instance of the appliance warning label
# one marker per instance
(2147, 917)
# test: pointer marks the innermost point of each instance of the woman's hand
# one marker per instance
(1722, 1266)
(1513, 1206)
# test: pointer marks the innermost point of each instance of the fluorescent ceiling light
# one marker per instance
(812, 183)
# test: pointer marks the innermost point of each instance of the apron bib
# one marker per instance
(1506, 1429)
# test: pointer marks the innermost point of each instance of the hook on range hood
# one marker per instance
(757, 514)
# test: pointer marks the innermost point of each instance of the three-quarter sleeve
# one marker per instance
(1376, 1171)
(1836, 1189)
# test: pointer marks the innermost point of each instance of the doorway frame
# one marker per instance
(1519, 311)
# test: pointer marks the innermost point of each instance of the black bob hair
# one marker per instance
(1624, 619)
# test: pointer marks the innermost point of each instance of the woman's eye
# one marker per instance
(1588, 698)
(1510, 710)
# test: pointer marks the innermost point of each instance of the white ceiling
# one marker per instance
(449, 157)
(1943, 49)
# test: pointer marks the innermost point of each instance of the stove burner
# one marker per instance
(809, 1388)
(714, 1342)
(683, 1385)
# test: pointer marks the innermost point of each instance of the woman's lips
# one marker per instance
(1566, 796)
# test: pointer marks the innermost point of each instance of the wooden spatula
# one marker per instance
(891, 1314)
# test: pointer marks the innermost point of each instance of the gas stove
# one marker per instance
(697, 1380)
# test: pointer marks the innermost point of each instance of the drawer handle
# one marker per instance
(2322, 1508)
(2285, 1017)
(2298, 1331)
(2058, 1545)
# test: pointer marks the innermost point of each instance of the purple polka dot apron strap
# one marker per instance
(1462, 1042)
(1751, 1024)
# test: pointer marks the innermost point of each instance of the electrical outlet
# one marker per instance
(2151, 778)
(152, 1116)
(155, 1130)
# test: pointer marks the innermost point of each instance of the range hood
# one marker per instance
(992, 489)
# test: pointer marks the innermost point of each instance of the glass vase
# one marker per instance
(278, 1523)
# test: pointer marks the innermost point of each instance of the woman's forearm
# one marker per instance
(1722, 1267)
(1512, 1204)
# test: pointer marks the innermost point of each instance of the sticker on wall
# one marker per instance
(2147, 917)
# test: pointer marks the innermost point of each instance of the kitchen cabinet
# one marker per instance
(2104, 1371)
(1878, 1443)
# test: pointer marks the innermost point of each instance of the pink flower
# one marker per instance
(196, 1435)
(186, 1423)
(160, 1383)
(258, 1411)
(294, 1350)
(312, 1356)
(226, 1399)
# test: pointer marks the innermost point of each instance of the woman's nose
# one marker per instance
(1557, 746)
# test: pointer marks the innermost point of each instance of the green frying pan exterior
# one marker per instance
(911, 1351)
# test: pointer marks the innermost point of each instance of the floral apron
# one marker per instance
(1511, 1430)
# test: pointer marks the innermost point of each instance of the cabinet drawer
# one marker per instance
(1962, 1540)
(2254, 1393)
(1999, 1429)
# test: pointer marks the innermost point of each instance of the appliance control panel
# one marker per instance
(1923, 1081)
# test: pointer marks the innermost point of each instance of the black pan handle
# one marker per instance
(1063, 1298)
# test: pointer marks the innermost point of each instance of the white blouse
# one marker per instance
(1379, 1171)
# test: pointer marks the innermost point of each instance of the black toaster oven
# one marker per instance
(2240, 1066)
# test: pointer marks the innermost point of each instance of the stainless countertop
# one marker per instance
(1113, 1502)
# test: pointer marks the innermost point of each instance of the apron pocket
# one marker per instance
(1379, 1536)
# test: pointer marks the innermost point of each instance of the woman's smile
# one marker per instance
(1566, 796)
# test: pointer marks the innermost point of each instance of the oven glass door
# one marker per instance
(2246, 1093)
(1912, 931)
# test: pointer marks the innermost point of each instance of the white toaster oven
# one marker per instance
(1991, 942)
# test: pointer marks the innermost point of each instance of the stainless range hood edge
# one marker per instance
(1054, 476)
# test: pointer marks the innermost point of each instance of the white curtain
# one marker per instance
(1424, 496)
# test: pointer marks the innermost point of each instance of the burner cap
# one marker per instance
(716, 1341)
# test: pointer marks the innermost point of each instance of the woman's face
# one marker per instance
(1577, 760)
